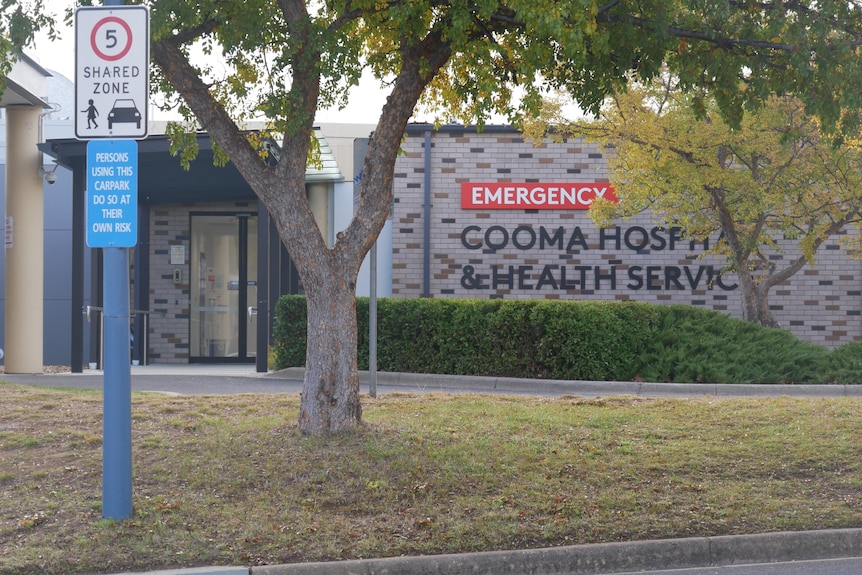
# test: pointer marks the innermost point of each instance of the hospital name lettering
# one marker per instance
(595, 278)
(637, 239)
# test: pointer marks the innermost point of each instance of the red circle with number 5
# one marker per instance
(110, 38)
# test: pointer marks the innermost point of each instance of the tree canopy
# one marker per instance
(281, 60)
(772, 183)
(19, 23)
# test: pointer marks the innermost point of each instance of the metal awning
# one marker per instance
(25, 84)
(162, 180)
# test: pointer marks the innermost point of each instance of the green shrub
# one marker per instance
(583, 340)
(844, 364)
(703, 346)
(593, 340)
(518, 338)
(289, 331)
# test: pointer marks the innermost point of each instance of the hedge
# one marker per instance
(553, 339)
(509, 338)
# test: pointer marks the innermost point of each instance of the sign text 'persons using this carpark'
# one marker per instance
(112, 193)
(112, 56)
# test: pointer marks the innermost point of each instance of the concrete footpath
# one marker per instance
(595, 559)
(210, 379)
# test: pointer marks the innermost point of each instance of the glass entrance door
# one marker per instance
(223, 322)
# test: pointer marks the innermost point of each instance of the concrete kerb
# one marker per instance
(195, 571)
(594, 559)
(438, 382)
(605, 558)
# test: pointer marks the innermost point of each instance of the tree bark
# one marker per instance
(330, 397)
(330, 393)
(755, 298)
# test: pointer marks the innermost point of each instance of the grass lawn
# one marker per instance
(230, 480)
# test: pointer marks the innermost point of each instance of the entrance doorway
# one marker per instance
(223, 281)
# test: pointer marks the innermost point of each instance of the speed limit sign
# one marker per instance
(112, 56)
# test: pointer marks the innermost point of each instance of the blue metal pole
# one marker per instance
(117, 438)
(117, 432)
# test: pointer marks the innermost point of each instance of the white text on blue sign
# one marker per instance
(112, 193)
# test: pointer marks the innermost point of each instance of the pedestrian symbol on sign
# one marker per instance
(92, 113)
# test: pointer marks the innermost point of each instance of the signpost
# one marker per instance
(112, 59)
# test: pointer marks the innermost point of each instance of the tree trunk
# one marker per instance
(761, 291)
(330, 392)
(757, 307)
(755, 298)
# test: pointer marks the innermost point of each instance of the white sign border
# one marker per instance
(142, 60)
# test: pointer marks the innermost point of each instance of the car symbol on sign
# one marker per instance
(124, 112)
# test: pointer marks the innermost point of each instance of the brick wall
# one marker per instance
(639, 260)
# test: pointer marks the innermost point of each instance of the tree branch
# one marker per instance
(420, 63)
(211, 114)
(191, 34)
(724, 42)
(797, 264)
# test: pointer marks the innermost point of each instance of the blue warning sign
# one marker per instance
(112, 193)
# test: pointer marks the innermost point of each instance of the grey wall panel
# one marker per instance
(55, 337)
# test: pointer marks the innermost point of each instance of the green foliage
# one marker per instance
(184, 143)
(258, 55)
(772, 176)
(20, 20)
(745, 185)
(289, 331)
(844, 364)
(593, 340)
(599, 341)
(545, 339)
(701, 346)
(739, 52)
